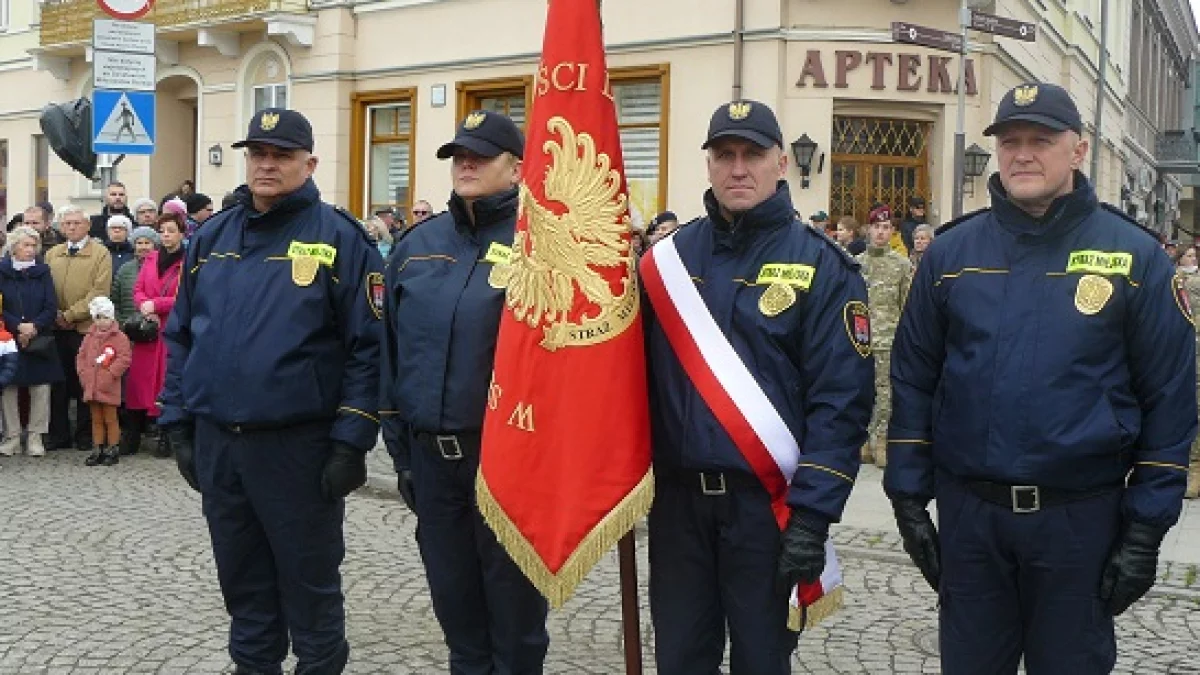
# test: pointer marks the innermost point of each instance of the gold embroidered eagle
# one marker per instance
(557, 253)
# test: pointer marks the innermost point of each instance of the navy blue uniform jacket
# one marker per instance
(807, 360)
(1053, 352)
(441, 320)
(249, 345)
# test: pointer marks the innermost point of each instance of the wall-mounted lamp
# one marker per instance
(975, 161)
(216, 155)
(803, 149)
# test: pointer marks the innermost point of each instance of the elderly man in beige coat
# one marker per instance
(82, 270)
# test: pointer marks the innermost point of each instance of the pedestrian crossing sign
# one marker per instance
(123, 122)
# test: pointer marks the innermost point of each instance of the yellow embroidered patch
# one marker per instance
(498, 253)
(1100, 262)
(799, 276)
(324, 253)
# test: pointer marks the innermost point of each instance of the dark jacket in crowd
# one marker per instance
(121, 253)
(99, 228)
(29, 298)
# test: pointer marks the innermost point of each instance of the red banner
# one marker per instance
(565, 466)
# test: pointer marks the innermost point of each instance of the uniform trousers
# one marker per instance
(713, 562)
(278, 544)
(493, 619)
(68, 343)
(1027, 584)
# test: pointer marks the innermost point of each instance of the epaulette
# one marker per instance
(844, 255)
(359, 225)
(1129, 219)
(964, 217)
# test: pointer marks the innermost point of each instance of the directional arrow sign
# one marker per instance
(910, 33)
(1003, 26)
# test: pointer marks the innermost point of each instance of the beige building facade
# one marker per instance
(384, 82)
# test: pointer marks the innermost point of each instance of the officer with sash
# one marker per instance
(761, 381)
(270, 396)
(1044, 394)
(445, 284)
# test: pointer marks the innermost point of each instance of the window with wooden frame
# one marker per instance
(383, 129)
(41, 169)
(512, 96)
(3, 181)
(641, 95)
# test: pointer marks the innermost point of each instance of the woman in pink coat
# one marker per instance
(154, 296)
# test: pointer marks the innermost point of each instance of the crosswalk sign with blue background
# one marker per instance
(123, 122)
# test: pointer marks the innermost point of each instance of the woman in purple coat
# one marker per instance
(154, 296)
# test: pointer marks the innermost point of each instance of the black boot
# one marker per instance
(110, 455)
(130, 439)
(163, 449)
(95, 458)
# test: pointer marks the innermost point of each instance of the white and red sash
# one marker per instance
(740, 405)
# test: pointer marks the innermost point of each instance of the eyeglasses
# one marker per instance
(420, 212)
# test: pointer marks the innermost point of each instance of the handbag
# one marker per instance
(42, 346)
(141, 329)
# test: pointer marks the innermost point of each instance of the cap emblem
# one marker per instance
(474, 120)
(1023, 96)
(268, 121)
(739, 111)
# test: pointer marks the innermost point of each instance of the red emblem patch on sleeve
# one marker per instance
(375, 293)
(858, 326)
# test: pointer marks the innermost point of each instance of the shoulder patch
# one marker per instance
(1128, 219)
(858, 326)
(842, 254)
(959, 220)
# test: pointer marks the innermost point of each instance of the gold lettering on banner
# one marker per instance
(494, 394)
(522, 417)
(565, 76)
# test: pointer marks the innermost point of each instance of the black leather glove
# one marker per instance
(180, 437)
(920, 538)
(345, 471)
(408, 492)
(1132, 566)
(802, 555)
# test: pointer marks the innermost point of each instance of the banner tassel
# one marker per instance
(803, 618)
(558, 588)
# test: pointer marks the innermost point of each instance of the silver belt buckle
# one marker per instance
(1026, 493)
(712, 491)
(449, 447)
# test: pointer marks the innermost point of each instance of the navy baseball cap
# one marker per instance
(279, 127)
(1046, 104)
(486, 134)
(746, 119)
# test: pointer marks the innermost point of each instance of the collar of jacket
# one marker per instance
(1064, 214)
(497, 208)
(39, 268)
(878, 250)
(119, 246)
(774, 212)
(107, 211)
(303, 197)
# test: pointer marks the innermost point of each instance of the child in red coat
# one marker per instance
(102, 360)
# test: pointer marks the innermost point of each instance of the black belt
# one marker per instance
(1030, 498)
(452, 447)
(711, 483)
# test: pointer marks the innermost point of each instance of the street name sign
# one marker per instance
(911, 33)
(1003, 26)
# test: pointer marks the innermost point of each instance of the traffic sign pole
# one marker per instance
(960, 134)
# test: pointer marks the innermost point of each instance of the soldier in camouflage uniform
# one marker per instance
(1188, 276)
(888, 275)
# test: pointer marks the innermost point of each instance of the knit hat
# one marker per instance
(119, 221)
(143, 202)
(102, 307)
(144, 232)
(175, 205)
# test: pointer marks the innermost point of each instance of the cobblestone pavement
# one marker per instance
(108, 570)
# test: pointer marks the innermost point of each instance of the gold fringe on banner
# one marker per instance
(801, 619)
(558, 588)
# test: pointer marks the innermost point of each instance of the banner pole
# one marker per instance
(630, 619)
